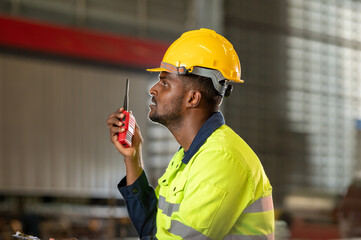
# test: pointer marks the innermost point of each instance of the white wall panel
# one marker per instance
(54, 139)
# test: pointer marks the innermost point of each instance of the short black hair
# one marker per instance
(206, 88)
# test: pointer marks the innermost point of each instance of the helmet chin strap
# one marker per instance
(220, 83)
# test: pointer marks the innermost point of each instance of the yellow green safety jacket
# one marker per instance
(215, 190)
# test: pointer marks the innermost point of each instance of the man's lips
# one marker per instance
(153, 101)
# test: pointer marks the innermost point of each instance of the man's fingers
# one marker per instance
(113, 138)
(120, 115)
(116, 130)
(116, 126)
(125, 151)
(114, 133)
(111, 119)
(115, 120)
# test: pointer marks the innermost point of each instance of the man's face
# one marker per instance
(167, 97)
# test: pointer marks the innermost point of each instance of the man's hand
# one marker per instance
(115, 126)
(132, 155)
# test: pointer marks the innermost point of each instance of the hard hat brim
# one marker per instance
(237, 80)
(157, 70)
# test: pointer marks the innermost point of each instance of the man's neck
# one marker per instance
(187, 131)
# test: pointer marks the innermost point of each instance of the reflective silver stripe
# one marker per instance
(186, 232)
(167, 207)
(174, 69)
(261, 205)
(250, 237)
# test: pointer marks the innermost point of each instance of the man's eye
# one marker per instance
(164, 83)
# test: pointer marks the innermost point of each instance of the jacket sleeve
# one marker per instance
(219, 187)
(141, 204)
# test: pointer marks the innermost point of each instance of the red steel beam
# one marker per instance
(60, 40)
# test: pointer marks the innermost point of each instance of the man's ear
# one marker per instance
(193, 98)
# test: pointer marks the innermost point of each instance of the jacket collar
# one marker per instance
(214, 122)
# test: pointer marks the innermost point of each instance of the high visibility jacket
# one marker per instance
(216, 190)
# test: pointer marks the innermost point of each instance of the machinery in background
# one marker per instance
(349, 212)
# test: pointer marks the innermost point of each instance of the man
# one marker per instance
(215, 186)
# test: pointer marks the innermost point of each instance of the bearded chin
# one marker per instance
(156, 118)
(170, 115)
(169, 121)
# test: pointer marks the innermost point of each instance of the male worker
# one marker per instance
(215, 186)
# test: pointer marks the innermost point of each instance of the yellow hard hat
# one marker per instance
(198, 50)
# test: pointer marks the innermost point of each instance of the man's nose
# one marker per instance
(153, 90)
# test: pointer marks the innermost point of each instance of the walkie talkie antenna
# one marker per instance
(126, 96)
(125, 137)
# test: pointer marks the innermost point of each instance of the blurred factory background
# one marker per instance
(63, 66)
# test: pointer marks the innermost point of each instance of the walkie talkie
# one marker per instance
(125, 138)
